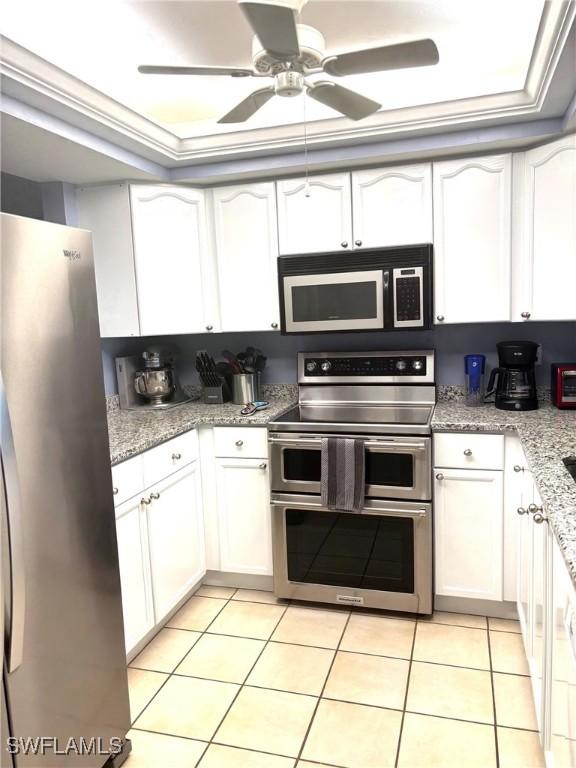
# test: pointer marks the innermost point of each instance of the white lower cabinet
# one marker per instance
(244, 516)
(134, 571)
(468, 506)
(176, 535)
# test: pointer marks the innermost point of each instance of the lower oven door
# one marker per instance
(380, 557)
(396, 467)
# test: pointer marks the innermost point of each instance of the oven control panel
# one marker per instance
(400, 365)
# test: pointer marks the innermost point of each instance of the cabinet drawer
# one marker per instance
(127, 479)
(245, 442)
(169, 457)
(467, 451)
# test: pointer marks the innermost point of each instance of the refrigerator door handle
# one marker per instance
(15, 537)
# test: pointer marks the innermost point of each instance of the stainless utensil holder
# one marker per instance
(245, 388)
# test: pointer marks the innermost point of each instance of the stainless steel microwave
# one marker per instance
(380, 289)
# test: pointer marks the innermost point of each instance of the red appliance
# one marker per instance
(564, 385)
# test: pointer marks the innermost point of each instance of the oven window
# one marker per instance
(334, 301)
(382, 469)
(350, 550)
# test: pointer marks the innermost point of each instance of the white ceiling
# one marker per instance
(485, 48)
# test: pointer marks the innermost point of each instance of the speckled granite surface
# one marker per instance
(132, 432)
(547, 436)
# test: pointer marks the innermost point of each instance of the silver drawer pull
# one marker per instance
(525, 315)
(518, 468)
(439, 476)
(114, 491)
(176, 456)
(144, 501)
(263, 466)
(532, 508)
(239, 443)
(522, 511)
(539, 518)
(155, 496)
(467, 452)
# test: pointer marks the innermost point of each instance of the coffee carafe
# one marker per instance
(514, 381)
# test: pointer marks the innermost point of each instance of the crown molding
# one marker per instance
(35, 81)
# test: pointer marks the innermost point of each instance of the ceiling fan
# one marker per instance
(289, 52)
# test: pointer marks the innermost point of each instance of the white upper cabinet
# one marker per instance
(472, 239)
(246, 240)
(315, 216)
(545, 232)
(392, 206)
(172, 264)
(105, 211)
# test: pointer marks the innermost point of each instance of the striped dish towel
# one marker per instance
(342, 473)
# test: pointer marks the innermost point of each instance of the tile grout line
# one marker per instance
(241, 685)
(141, 712)
(410, 662)
(493, 695)
(319, 698)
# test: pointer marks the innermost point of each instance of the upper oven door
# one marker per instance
(341, 301)
(396, 467)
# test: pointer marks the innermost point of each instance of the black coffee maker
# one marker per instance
(514, 381)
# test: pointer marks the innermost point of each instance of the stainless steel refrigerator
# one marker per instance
(64, 675)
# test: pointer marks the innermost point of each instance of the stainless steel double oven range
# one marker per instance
(380, 557)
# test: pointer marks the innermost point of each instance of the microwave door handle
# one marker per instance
(386, 308)
(11, 502)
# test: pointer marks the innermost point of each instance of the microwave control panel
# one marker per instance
(408, 297)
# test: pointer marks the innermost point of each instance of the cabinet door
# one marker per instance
(244, 516)
(472, 239)
(246, 235)
(105, 211)
(392, 206)
(540, 607)
(468, 516)
(137, 604)
(545, 232)
(515, 472)
(315, 216)
(172, 263)
(525, 557)
(176, 534)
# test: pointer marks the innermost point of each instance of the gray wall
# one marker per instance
(21, 197)
(558, 342)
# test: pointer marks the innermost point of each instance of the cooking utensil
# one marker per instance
(232, 360)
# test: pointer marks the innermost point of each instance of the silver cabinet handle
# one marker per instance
(539, 518)
(358, 243)
(522, 511)
(155, 496)
(144, 501)
(518, 468)
(176, 456)
(532, 508)
(15, 538)
(344, 243)
(440, 318)
(467, 452)
(439, 476)
(239, 443)
(263, 465)
(115, 491)
(209, 327)
(274, 325)
(525, 315)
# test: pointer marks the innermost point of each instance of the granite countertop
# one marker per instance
(547, 436)
(132, 432)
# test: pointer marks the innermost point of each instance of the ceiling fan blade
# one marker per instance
(275, 27)
(349, 103)
(146, 69)
(418, 53)
(248, 106)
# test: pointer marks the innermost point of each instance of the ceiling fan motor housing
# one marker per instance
(289, 83)
(312, 51)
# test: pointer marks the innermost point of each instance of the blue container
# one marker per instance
(474, 369)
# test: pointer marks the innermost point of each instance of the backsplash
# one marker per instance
(558, 340)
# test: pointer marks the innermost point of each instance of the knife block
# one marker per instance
(216, 395)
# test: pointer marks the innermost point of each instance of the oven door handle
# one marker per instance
(369, 443)
(367, 510)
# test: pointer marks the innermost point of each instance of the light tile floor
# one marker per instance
(240, 679)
